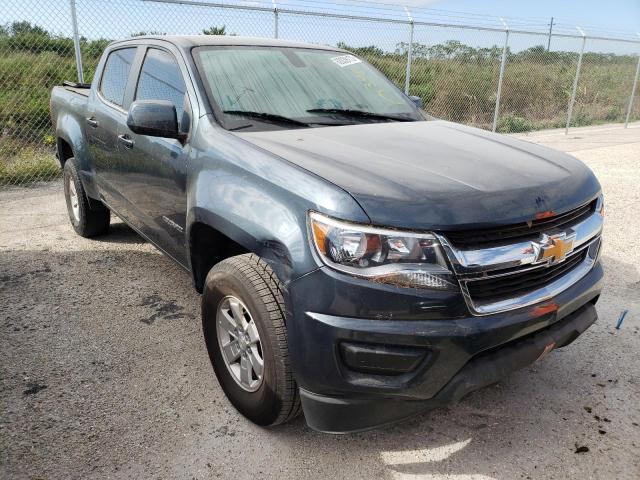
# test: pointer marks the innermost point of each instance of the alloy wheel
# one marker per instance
(239, 343)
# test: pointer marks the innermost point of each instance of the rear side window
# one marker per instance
(160, 79)
(116, 74)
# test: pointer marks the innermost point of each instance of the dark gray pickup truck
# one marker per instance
(357, 259)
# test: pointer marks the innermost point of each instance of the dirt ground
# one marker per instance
(104, 372)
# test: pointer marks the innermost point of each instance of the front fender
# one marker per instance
(260, 201)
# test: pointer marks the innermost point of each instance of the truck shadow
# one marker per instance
(120, 233)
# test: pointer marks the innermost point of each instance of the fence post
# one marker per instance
(575, 82)
(407, 76)
(496, 112)
(76, 41)
(275, 19)
(633, 92)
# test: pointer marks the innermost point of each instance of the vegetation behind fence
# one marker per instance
(456, 82)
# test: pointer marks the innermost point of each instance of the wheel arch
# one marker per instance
(207, 247)
(64, 150)
(212, 238)
(71, 141)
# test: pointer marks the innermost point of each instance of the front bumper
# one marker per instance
(461, 352)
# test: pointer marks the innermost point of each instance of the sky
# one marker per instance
(104, 18)
(612, 15)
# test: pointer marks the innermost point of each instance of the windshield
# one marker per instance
(260, 88)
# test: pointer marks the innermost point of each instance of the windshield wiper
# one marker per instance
(360, 114)
(267, 116)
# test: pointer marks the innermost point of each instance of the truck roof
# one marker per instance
(189, 41)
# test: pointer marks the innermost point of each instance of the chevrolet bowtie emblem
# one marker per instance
(553, 248)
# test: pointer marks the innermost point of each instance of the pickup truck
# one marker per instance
(358, 260)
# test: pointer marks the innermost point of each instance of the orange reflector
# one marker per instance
(544, 215)
(544, 309)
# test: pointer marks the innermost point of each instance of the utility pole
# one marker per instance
(575, 82)
(496, 112)
(76, 41)
(407, 76)
(550, 30)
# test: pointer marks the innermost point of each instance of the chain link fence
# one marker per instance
(497, 75)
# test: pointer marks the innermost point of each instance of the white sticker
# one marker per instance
(345, 60)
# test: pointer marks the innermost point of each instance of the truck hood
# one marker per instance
(435, 174)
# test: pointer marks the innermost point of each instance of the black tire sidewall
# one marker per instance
(263, 405)
(91, 221)
(70, 174)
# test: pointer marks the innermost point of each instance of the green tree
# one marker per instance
(215, 30)
(370, 50)
(25, 28)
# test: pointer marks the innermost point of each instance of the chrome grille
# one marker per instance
(510, 274)
(498, 288)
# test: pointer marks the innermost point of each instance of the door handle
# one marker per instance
(93, 123)
(126, 141)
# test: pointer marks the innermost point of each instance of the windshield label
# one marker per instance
(345, 60)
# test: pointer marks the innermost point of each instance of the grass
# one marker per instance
(30, 165)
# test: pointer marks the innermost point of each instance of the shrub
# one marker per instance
(29, 165)
(455, 81)
(514, 124)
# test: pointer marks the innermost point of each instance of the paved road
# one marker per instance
(104, 373)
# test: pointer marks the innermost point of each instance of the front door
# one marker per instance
(154, 172)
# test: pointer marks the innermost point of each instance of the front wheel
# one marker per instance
(244, 329)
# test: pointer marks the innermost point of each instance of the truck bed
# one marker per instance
(69, 104)
(79, 90)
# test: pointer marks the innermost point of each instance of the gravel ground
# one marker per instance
(104, 372)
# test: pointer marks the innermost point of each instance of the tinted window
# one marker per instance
(116, 73)
(160, 79)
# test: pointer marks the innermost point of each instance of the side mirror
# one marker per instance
(416, 100)
(155, 118)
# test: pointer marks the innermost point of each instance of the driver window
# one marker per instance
(160, 79)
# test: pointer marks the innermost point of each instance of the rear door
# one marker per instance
(105, 113)
(154, 171)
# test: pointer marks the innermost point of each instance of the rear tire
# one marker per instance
(244, 290)
(88, 219)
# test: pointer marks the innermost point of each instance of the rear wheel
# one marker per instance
(243, 324)
(87, 219)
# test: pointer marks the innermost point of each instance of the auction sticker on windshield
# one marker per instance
(345, 60)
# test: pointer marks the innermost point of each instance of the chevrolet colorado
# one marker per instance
(357, 259)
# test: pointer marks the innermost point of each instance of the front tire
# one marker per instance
(88, 219)
(244, 330)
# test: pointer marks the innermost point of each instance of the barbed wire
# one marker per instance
(538, 24)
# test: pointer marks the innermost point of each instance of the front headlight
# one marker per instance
(406, 259)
